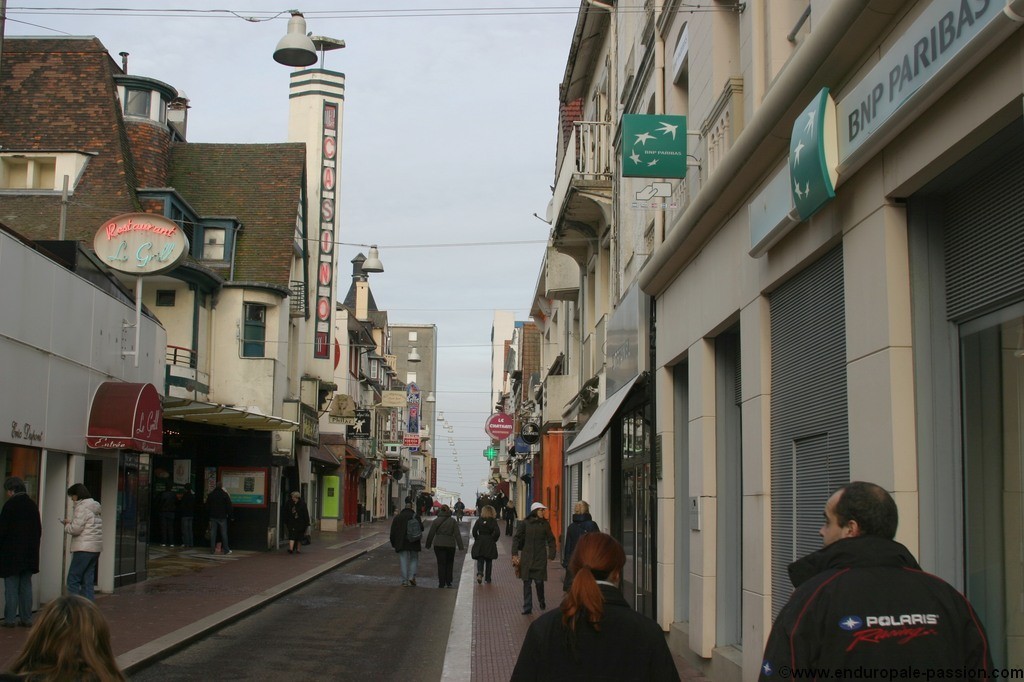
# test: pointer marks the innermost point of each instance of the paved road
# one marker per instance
(353, 623)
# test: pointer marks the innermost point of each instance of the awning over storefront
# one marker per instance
(585, 445)
(324, 454)
(188, 410)
(352, 452)
(126, 416)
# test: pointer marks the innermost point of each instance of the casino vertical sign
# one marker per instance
(328, 213)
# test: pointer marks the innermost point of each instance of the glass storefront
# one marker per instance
(23, 462)
(992, 380)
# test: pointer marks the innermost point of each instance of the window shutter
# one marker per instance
(810, 432)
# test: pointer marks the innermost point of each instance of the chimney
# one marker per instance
(177, 114)
(361, 286)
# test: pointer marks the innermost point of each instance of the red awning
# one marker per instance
(126, 416)
(352, 452)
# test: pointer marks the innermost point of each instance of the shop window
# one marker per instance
(254, 331)
(22, 461)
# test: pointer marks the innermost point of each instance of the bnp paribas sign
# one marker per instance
(653, 146)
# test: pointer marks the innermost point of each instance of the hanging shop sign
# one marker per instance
(361, 429)
(653, 146)
(814, 156)
(499, 426)
(141, 244)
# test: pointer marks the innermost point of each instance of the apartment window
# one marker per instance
(254, 334)
(136, 102)
(410, 378)
(414, 336)
(213, 243)
(165, 298)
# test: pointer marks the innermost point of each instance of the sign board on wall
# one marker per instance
(653, 146)
(141, 244)
(246, 486)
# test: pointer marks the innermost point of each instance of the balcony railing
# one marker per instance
(181, 357)
(299, 304)
(593, 147)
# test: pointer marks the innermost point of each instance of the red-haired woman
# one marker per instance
(596, 635)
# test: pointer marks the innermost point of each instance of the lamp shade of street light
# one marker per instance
(372, 262)
(430, 398)
(296, 48)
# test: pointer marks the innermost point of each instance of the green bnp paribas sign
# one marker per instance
(653, 146)
(814, 156)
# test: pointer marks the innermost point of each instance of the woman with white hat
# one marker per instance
(534, 544)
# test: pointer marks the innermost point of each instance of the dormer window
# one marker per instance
(213, 243)
(144, 98)
(40, 171)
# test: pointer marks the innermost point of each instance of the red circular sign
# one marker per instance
(499, 426)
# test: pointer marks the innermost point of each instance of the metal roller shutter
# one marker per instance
(810, 446)
(984, 240)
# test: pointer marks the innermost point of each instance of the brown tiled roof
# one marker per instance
(59, 94)
(258, 184)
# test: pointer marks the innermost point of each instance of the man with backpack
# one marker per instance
(406, 531)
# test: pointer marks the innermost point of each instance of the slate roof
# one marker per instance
(59, 94)
(258, 184)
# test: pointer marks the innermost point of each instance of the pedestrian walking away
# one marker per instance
(534, 544)
(509, 514)
(296, 520)
(20, 533)
(486, 534)
(595, 634)
(86, 530)
(187, 509)
(582, 523)
(406, 531)
(862, 603)
(219, 509)
(167, 506)
(444, 536)
(70, 641)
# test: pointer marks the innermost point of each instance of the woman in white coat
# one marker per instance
(86, 530)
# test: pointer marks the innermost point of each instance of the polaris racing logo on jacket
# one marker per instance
(899, 628)
(851, 623)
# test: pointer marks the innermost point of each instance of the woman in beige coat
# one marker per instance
(86, 530)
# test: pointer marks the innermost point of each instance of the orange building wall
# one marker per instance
(551, 493)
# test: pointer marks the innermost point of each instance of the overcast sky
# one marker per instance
(448, 139)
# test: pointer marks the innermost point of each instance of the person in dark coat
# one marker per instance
(296, 520)
(509, 514)
(534, 543)
(595, 635)
(20, 534)
(582, 523)
(486, 534)
(167, 506)
(445, 536)
(862, 602)
(403, 527)
(187, 509)
(219, 508)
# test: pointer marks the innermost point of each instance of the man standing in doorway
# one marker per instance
(863, 603)
(20, 533)
(187, 509)
(218, 506)
(167, 505)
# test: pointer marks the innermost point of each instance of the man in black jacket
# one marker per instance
(219, 508)
(862, 603)
(20, 534)
(405, 538)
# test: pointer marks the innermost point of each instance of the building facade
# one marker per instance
(797, 329)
